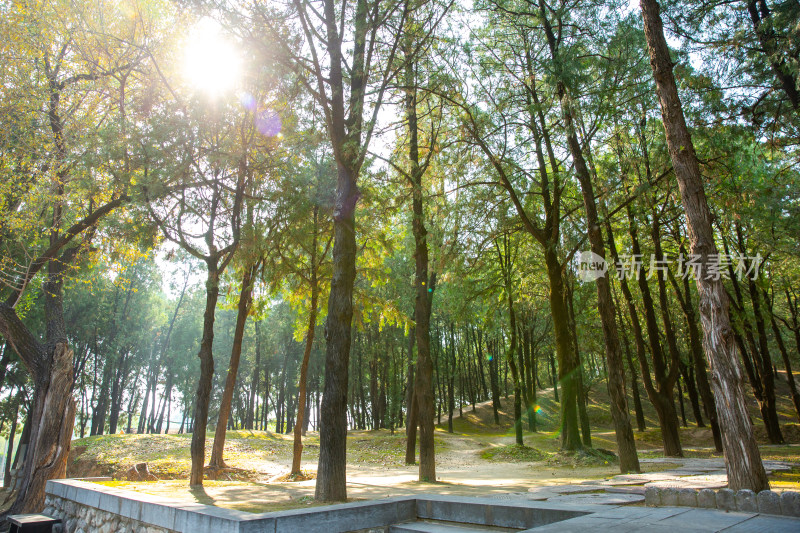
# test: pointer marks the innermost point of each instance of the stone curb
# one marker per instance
(765, 502)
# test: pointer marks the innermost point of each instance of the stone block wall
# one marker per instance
(765, 502)
(79, 518)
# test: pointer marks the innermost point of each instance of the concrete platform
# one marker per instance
(417, 514)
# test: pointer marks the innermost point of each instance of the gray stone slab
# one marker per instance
(687, 497)
(429, 527)
(681, 483)
(576, 489)
(582, 524)
(769, 502)
(790, 503)
(626, 490)
(707, 520)
(652, 497)
(707, 498)
(643, 478)
(641, 514)
(746, 501)
(635, 527)
(766, 524)
(622, 482)
(599, 498)
(611, 522)
(669, 497)
(344, 517)
(726, 500)
(453, 511)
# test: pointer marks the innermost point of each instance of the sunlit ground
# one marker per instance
(477, 459)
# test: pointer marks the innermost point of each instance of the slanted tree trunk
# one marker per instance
(761, 18)
(297, 450)
(742, 458)
(583, 416)
(203, 393)
(787, 365)
(660, 389)
(629, 461)
(217, 461)
(52, 412)
(696, 349)
(506, 266)
(768, 403)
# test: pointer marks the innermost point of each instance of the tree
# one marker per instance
(345, 82)
(196, 219)
(59, 59)
(742, 458)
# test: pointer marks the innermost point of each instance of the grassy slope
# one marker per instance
(254, 454)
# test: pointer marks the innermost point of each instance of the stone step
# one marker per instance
(436, 526)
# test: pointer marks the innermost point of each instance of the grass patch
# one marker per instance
(514, 453)
(786, 480)
(584, 457)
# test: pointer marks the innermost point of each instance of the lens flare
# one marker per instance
(268, 123)
(211, 62)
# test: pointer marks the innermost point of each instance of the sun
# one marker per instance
(211, 63)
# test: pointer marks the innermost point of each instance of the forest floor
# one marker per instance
(479, 458)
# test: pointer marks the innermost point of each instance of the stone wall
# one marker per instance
(79, 518)
(766, 502)
(89, 507)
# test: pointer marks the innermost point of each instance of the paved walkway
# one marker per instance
(620, 491)
(627, 489)
(672, 520)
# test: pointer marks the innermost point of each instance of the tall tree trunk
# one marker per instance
(10, 450)
(661, 390)
(297, 450)
(331, 478)
(101, 409)
(217, 461)
(629, 461)
(696, 350)
(493, 380)
(506, 267)
(412, 407)
(637, 400)
(768, 404)
(742, 458)
(687, 373)
(787, 365)
(424, 285)
(117, 389)
(567, 364)
(583, 416)
(203, 394)
(51, 415)
(553, 376)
